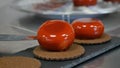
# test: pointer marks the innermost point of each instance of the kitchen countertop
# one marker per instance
(20, 23)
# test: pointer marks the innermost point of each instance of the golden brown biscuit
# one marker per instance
(73, 52)
(19, 62)
(104, 38)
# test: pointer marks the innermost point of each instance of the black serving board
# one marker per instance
(91, 52)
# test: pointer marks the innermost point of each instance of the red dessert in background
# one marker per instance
(113, 1)
(88, 28)
(55, 35)
(84, 2)
(49, 5)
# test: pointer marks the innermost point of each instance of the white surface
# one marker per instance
(15, 46)
(7, 17)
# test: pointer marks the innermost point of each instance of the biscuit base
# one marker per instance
(74, 51)
(19, 62)
(104, 38)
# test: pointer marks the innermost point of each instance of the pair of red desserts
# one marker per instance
(58, 35)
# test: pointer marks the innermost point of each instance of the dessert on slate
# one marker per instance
(89, 31)
(87, 28)
(56, 41)
(78, 3)
(55, 35)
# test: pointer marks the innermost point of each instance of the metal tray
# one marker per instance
(91, 52)
(65, 9)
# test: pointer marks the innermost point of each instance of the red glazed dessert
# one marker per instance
(84, 2)
(55, 35)
(88, 28)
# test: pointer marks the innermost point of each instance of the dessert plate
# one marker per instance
(64, 9)
(91, 52)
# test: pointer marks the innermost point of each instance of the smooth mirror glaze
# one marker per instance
(88, 28)
(84, 2)
(55, 35)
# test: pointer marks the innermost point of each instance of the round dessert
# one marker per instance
(84, 2)
(55, 35)
(88, 28)
(113, 1)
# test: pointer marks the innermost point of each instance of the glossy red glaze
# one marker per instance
(88, 28)
(55, 35)
(84, 2)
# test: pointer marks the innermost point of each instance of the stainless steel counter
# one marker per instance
(20, 23)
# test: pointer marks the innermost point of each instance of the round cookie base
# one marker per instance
(104, 38)
(19, 62)
(72, 52)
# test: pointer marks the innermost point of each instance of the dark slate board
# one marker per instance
(91, 51)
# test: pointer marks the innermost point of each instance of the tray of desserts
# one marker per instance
(66, 7)
(91, 52)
